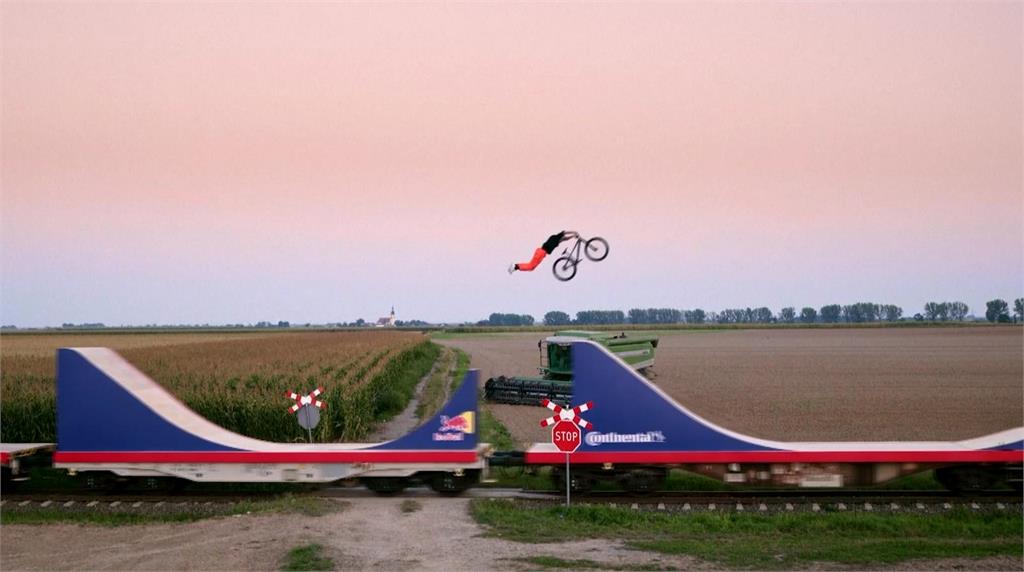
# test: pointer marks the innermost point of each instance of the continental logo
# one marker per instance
(455, 428)
(596, 438)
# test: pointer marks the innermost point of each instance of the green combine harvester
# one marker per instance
(555, 383)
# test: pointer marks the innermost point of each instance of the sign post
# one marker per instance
(308, 407)
(566, 436)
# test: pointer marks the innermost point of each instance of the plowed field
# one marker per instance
(814, 384)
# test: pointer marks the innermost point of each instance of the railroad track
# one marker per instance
(781, 501)
(754, 502)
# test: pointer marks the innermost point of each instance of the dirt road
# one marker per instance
(370, 534)
(814, 384)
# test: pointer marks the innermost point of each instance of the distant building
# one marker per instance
(387, 322)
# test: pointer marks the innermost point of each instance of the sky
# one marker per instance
(237, 162)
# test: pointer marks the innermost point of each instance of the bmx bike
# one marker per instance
(595, 249)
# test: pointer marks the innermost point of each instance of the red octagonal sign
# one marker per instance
(566, 436)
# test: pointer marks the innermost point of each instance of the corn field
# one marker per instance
(237, 381)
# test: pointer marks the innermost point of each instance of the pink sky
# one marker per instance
(241, 162)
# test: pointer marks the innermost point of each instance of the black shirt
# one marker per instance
(553, 241)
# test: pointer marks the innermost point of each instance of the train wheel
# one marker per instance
(643, 481)
(452, 484)
(579, 481)
(385, 485)
(101, 481)
(7, 482)
(967, 478)
(161, 484)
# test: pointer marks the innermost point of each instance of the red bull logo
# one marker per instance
(455, 428)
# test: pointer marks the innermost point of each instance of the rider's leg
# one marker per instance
(538, 255)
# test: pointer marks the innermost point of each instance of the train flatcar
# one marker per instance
(113, 418)
(17, 460)
(639, 432)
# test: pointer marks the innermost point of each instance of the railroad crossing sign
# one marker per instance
(567, 414)
(307, 409)
(566, 435)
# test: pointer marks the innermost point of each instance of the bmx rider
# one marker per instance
(545, 249)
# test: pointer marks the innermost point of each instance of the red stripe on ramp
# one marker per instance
(265, 457)
(687, 457)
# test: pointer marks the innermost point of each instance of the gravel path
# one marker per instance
(406, 421)
(814, 384)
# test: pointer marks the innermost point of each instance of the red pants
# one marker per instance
(538, 255)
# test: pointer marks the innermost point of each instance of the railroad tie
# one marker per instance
(815, 507)
(93, 503)
(137, 504)
(115, 503)
(661, 506)
(947, 506)
(69, 503)
(789, 506)
(1000, 506)
(841, 506)
(712, 506)
(920, 506)
(894, 506)
(24, 502)
(867, 506)
(975, 506)
(635, 506)
(46, 503)
(762, 507)
(686, 506)
(739, 507)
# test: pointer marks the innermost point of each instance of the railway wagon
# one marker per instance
(17, 460)
(112, 418)
(639, 433)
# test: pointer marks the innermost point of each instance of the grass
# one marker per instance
(765, 541)
(410, 506)
(434, 391)
(461, 367)
(583, 563)
(679, 480)
(917, 482)
(307, 557)
(171, 512)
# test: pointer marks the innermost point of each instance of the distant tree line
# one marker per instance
(859, 312)
(497, 319)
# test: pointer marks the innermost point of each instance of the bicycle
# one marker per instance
(595, 249)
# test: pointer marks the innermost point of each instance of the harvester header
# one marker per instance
(555, 381)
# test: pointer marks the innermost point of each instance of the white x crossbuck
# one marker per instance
(301, 400)
(567, 414)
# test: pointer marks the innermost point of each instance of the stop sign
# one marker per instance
(566, 436)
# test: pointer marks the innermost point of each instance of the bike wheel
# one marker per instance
(596, 249)
(564, 268)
